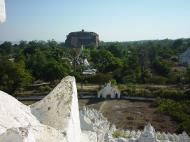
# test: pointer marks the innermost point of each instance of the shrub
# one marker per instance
(158, 79)
(120, 133)
(179, 111)
(44, 88)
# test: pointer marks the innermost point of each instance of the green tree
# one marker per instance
(55, 70)
(117, 50)
(187, 75)
(105, 61)
(161, 67)
(13, 76)
(6, 48)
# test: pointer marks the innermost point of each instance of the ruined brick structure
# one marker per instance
(76, 39)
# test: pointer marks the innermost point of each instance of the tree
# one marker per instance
(187, 75)
(117, 50)
(54, 70)
(161, 67)
(13, 76)
(105, 61)
(101, 78)
(36, 63)
(6, 48)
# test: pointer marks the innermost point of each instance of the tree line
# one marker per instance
(142, 62)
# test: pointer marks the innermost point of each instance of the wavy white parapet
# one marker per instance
(2, 11)
(93, 121)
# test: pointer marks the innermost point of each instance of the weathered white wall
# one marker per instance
(53, 119)
(14, 114)
(38, 133)
(109, 90)
(17, 135)
(59, 109)
(17, 124)
(2, 11)
(74, 129)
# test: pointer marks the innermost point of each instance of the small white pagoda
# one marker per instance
(185, 57)
(108, 91)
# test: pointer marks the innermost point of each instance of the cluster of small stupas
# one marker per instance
(93, 120)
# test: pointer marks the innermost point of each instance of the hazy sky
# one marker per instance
(113, 20)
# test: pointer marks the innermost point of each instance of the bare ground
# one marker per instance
(132, 114)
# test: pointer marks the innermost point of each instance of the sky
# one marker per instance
(113, 20)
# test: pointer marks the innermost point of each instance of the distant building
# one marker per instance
(89, 72)
(109, 92)
(185, 58)
(76, 39)
(81, 60)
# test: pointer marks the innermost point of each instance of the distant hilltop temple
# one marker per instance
(76, 39)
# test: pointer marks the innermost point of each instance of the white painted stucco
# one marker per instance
(2, 11)
(53, 119)
(59, 109)
(185, 57)
(14, 114)
(109, 91)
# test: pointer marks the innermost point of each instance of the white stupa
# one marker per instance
(2, 11)
(148, 135)
(109, 92)
(185, 57)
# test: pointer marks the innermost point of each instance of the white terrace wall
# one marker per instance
(2, 11)
(60, 109)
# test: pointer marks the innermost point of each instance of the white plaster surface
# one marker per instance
(59, 109)
(2, 11)
(39, 133)
(17, 124)
(14, 114)
(53, 119)
(93, 121)
(108, 90)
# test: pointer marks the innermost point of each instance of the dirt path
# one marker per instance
(132, 114)
(102, 106)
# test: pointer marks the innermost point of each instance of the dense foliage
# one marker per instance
(173, 93)
(13, 76)
(142, 62)
(29, 61)
(179, 111)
